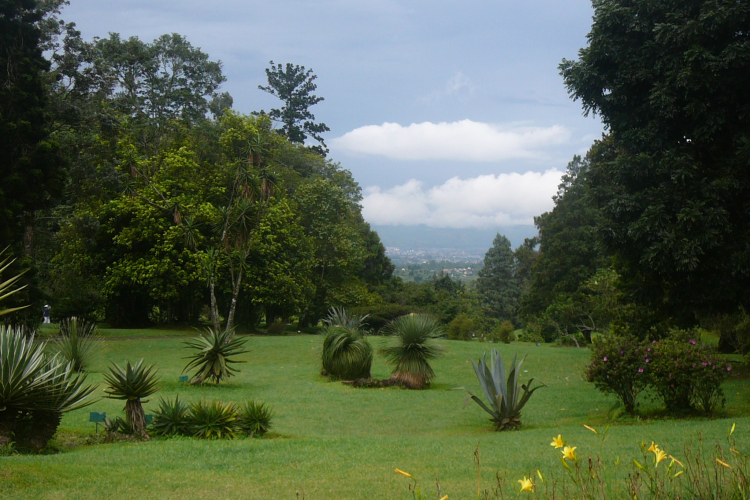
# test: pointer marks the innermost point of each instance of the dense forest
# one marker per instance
(134, 194)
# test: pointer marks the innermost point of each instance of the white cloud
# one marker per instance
(459, 85)
(484, 201)
(463, 140)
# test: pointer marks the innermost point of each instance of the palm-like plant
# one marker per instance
(35, 390)
(347, 355)
(76, 341)
(412, 348)
(503, 395)
(132, 384)
(6, 287)
(254, 418)
(213, 420)
(171, 418)
(215, 353)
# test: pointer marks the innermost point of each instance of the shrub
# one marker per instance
(215, 354)
(687, 374)
(213, 420)
(171, 418)
(254, 418)
(347, 355)
(276, 328)
(619, 366)
(461, 328)
(76, 341)
(132, 384)
(412, 349)
(504, 332)
(503, 395)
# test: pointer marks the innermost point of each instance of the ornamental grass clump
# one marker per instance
(505, 397)
(171, 418)
(346, 355)
(132, 384)
(215, 353)
(213, 420)
(412, 347)
(254, 418)
(76, 341)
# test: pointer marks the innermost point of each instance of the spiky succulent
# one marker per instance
(505, 405)
(6, 286)
(171, 418)
(215, 353)
(76, 341)
(213, 419)
(132, 384)
(412, 347)
(254, 418)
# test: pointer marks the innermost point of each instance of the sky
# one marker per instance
(449, 114)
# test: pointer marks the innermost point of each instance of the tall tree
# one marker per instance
(497, 283)
(295, 86)
(669, 80)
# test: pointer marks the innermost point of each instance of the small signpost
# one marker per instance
(184, 379)
(99, 417)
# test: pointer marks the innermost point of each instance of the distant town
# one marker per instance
(422, 256)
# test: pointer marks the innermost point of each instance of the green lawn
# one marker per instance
(334, 442)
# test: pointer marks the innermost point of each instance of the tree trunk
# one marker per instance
(235, 294)
(214, 308)
(136, 417)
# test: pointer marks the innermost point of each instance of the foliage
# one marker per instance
(686, 373)
(132, 384)
(461, 328)
(379, 315)
(76, 341)
(6, 286)
(254, 418)
(170, 418)
(620, 366)
(215, 353)
(294, 87)
(503, 394)
(668, 80)
(497, 283)
(346, 355)
(412, 347)
(213, 420)
(35, 390)
(504, 332)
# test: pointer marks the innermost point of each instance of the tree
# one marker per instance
(497, 283)
(669, 80)
(294, 86)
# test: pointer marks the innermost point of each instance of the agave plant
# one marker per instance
(254, 418)
(215, 354)
(6, 286)
(347, 355)
(412, 348)
(171, 418)
(132, 384)
(503, 395)
(35, 390)
(213, 420)
(76, 341)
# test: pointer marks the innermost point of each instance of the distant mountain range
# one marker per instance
(447, 243)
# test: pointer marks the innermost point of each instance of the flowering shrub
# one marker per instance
(687, 374)
(619, 366)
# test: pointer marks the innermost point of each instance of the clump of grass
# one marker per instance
(171, 418)
(76, 342)
(213, 419)
(254, 418)
(412, 349)
(347, 355)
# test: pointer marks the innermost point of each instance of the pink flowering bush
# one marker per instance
(618, 367)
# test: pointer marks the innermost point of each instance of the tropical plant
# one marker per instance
(503, 395)
(35, 390)
(215, 353)
(254, 418)
(213, 420)
(76, 341)
(6, 287)
(413, 347)
(347, 355)
(171, 418)
(132, 384)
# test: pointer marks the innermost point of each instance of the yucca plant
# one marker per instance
(213, 420)
(254, 418)
(338, 316)
(504, 395)
(171, 418)
(6, 286)
(215, 354)
(346, 355)
(132, 384)
(76, 341)
(413, 346)
(35, 390)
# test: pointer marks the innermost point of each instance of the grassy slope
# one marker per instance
(331, 441)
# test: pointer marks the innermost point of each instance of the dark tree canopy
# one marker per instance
(295, 86)
(670, 81)
(496, 282)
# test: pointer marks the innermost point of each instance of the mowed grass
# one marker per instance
(333, 442)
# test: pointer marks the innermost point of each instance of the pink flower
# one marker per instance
(729, 368)
(704, 363)
(605, 359)
(692, 341)
(649, 349)
(640, 370)
(646, 360)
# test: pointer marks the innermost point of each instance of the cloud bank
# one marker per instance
(463, 140)
(480, 202)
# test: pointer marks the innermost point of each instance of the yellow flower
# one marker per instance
(659, 456)
(398, 471)
(654, 447)
(591, 429)
(569, 453)
(675, 460)
(724, 464)
(445, 497)
(735, 451)
(732, 431)
(526, 484)
(679, 473)
(557, 442)
(539, 473)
